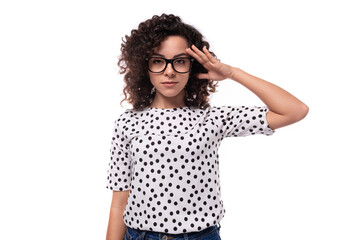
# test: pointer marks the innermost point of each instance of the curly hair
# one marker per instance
(140, 45)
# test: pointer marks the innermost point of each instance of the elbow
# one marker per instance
(301, 112)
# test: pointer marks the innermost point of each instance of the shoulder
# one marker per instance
(237, 108)
(225, 109)
(123, 118)
(236, 111)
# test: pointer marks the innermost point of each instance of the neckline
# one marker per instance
(173, 109)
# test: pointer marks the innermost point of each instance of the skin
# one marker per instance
(170, 97)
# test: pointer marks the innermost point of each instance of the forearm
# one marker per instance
(116, 227)
(276, 99)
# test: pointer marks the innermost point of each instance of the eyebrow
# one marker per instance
(177, 55)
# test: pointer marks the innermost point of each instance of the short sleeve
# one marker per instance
(119, 167)
(241, 121)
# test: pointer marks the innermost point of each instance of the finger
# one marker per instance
(202, 76)
(193, 54)
(202, 57)
(210, 56)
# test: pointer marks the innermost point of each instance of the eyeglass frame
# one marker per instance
(170, 61)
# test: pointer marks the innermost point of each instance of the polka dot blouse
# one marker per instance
(168, 159)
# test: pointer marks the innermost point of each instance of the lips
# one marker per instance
(169, 84)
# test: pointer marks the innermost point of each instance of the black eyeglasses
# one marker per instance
(159, 64)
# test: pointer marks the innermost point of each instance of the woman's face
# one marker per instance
(171, 47)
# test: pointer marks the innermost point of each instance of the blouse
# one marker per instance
(168, 159)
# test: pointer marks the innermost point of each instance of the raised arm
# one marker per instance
(284, 108)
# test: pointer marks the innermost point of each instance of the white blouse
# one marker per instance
(168, 159)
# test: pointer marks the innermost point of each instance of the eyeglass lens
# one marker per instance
(179, 64)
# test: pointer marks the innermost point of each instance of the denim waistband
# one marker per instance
(161, 235)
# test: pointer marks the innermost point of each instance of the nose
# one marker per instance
(169, 70)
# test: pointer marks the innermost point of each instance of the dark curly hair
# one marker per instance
(140, 45)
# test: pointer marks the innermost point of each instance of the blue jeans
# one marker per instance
(211, 233)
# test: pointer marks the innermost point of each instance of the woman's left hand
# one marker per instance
(217, 71)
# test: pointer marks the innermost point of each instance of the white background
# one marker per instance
(60, 93)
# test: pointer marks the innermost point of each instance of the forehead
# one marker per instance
(171, 46)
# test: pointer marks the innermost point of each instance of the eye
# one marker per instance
(180, 61)
(157, 61)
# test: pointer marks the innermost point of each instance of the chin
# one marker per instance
(170, 92)
(170, 95)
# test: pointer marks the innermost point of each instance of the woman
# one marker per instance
(164, 167)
